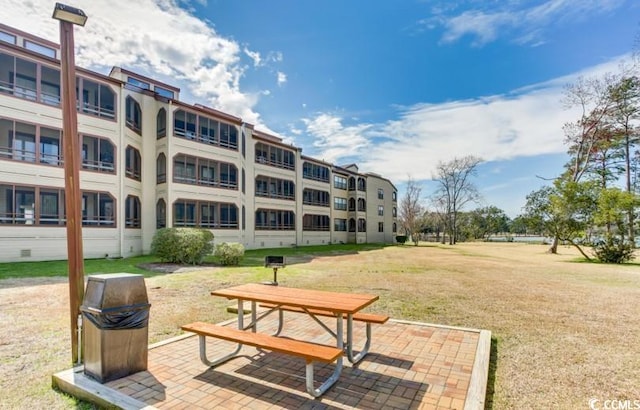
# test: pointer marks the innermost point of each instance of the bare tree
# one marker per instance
(456, 189)
(411, 210)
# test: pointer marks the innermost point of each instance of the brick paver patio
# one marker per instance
(410, 366)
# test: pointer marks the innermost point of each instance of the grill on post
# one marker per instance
(274, 262)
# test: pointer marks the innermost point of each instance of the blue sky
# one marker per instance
(395, 86)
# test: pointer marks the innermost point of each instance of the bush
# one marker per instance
(229, 253)
(613, 250)
(182, 245)
(401, 239)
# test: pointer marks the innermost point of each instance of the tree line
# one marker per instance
(592, 204)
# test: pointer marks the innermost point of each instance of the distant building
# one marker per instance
(151, 161)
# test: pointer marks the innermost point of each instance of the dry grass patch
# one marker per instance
(564, 331)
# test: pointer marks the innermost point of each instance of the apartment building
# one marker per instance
(150, 160)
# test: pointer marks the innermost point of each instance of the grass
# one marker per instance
(562, 331)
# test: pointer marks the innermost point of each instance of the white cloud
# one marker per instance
(154, 38)
(524, 25)
(527, 122)
(282, 78)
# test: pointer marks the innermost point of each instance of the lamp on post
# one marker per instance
(69, 16)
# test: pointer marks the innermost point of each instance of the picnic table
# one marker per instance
(342, 307)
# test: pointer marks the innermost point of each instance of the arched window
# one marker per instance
(161, 169)
(362, 184)
(161, 214)
(352, 204)
(134, 115)
(362, 205)
(161, 123)
(352, 225)
(133, 167)
(132, 212)
(362, 225)
(352, 184)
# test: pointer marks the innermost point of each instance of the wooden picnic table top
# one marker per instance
(308, 298)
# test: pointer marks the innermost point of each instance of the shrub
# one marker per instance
(613, 250)
(401, 239)
(229, 253)
(182, 245)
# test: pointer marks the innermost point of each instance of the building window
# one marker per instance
(50, 146)
(98, 209)
(132, 212)
(133, 167)
(95, 99)
(244, 144)
(161, 123)
(204, 214)
(380, 226)
(380, 210)
(244, 218)
(339, 204)
(29, 206)
(244, 181)
(315, 222)
(315, 197)
(204, 130)
(138, 84)
(97, 154)
(275, 220)
(362, 225)
(163, 92)
(362, 184)
(161, 169)
(275, 188)
(29, 80)
(362, 205)
(202, 171)
(339, 182)
(340, 225)
(315, 172)
(395, 227)
(380, 193)
(8, 38)
(134, 115)
(275, 156)
(352, 204)
(352, 225)
(394, 196)
(352, 184)
(40, 49)
(161, 214)
(394, 212)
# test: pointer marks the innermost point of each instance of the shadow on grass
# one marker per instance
(491, 377)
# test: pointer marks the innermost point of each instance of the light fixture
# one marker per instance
(69, 14)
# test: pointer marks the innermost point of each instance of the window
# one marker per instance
(30, 143)
(24, 142)
(244, 181)
(352, 225)
(205, 214)
(95, 99)
(161, 123)
(339, 182)
(340, 204)
(132, 212)
(163, 92)
(395, 228)
(362, 205)
(315, 197)
(394, 196)
(205, 130)
(23, 79)
(275, 156)
(202, 171)
(244, 218)
(340, 225)
(39, 48)
(275, 220)
(380, 210)
(97, 154)
(98, 209)
(161, 214)
(133, 167)
(50, 146)
(244, 144)
(315, 222)
(380, 193)
(352, 204)
(17, 205)
(380, 226)
(161, 169)
(21, 205)
(315, 172)
(8, 38)
(134, 115)
(394, 212)
(138, 84)
(362, 184)
(275, 188)
(362, 225)
(352, 184)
